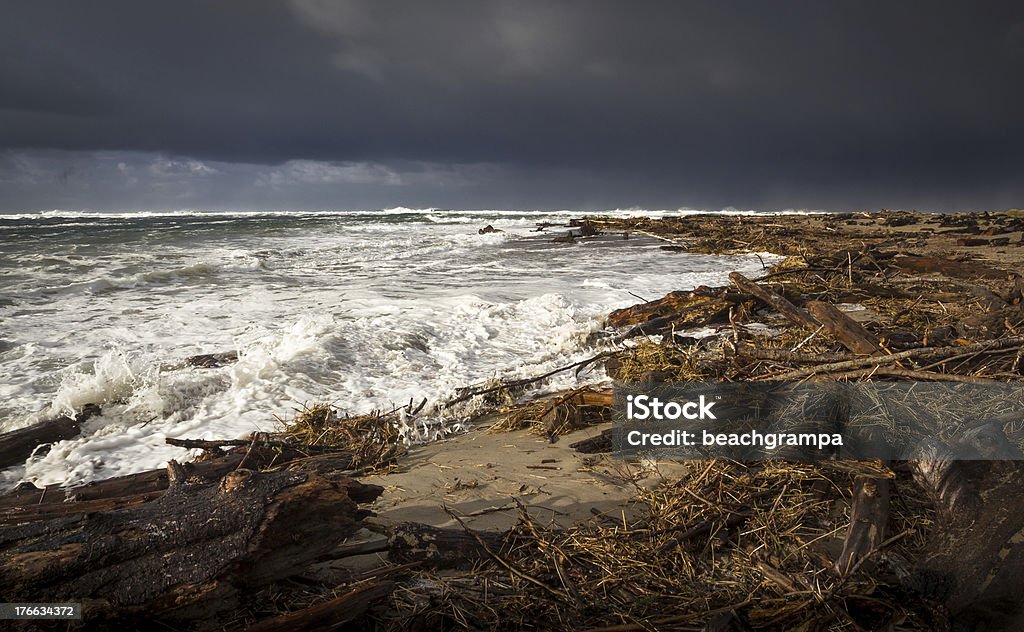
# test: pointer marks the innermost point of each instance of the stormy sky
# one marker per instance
(351, 104)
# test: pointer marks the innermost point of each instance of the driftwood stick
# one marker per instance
(782, 355)
(925, 376)
(869, 511)
(526, 381)
(922, 353)
(779, 303)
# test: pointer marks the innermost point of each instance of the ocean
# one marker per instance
(361, 309)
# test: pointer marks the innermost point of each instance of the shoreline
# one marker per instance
(921, 282)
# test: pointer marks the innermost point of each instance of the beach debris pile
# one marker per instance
(928, 543)
(731, 544)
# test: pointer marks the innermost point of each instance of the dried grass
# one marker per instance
(374, 438)
(757, 537)
(558, 414)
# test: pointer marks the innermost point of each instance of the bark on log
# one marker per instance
(16, 446)
(844, 329)
(187, 553)
(330, 615)
(779, 303)
(789, 357)
(440, 548)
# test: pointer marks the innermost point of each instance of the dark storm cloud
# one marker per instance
(335, 103)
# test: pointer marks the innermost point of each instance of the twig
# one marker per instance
(526, 381)
(922, 353)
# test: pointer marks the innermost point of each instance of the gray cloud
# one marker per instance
(317, 103)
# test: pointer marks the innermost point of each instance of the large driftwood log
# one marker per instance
(58, 499)
(1009, 343)
(844, 329)
(16, 446)
(777, 302)
(189, 552)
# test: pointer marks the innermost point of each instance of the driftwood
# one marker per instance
(924, 353)
(212, 360)
(512, 385)
(16, 446)
(335, 614)
(779, 303)
(187, 553)
(440, 548)
(789, 357)
(869, 515)
(844, 329)
(55, 498)
(596, 444)
(970, 270)
(975, 556)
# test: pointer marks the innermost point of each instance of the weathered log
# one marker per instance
(287, 450)
(681, 309)
(128, 485)
(910, 374)
(844, 329)
(17, 445)
(755, 352)
(869, 515)
(440, 548)
(576, 409)
(779, 303)
(945, 480)
(330, 615)
(188, 552)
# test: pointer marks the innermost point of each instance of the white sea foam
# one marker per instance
(360, 310)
